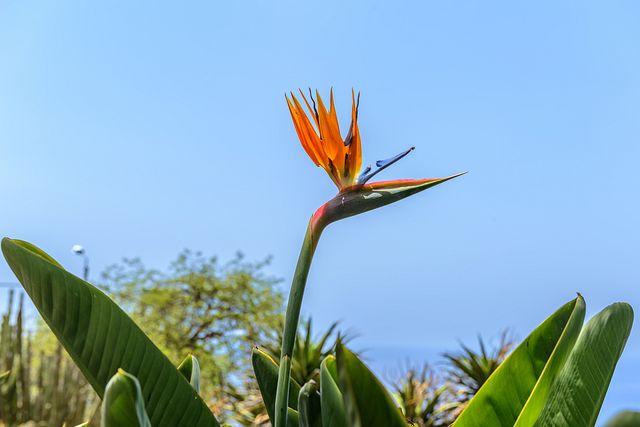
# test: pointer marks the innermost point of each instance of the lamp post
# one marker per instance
(79, 250)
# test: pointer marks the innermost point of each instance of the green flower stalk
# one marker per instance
(342, 159)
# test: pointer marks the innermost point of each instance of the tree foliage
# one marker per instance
(200, 306)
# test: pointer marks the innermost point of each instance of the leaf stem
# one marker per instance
(314, 229)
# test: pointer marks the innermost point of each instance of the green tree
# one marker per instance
(198, 305)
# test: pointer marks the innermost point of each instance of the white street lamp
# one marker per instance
(79, 250)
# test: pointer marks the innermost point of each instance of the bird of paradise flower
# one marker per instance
(342, 160)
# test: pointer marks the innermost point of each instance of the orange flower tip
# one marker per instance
(381, 165)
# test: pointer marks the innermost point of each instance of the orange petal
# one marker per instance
(312, 111)
(307, 135)
(354, 149)
(329, 133)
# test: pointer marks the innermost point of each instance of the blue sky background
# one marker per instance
(142, 128)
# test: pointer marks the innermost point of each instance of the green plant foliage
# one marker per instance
(577, 394)
(190, 368)
(625, 419)
(367, 402)
(527, 372)
(101, 338)
(309, 405)
(471, 369)
(424, 401)
(309, 350)
(123, 404)
(331, 401)
(266, 372)
(558, 376)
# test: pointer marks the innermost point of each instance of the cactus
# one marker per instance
(21, 367)
(45, 390)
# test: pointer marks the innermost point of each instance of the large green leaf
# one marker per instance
(123, 404)
(266, 372)
(190, 369)
(515, 393)
(101, 338)
(624, 419)
(367, 402)
(332, 403)
(577, 395)
(309, 405)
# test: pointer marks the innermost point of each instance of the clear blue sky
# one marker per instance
(141, 128)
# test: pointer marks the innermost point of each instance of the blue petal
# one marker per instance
(366, 175)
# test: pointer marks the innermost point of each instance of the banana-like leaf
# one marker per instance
(309, 410)
(101, 338)
(123, 404)
(190, 368)
(624, 419)
(367, 402)
(577, 394)
(515, 393)
(332, 404)
(266, 372)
